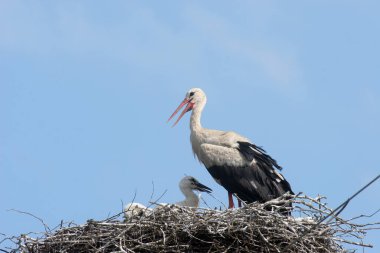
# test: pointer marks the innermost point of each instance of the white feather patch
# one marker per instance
(254, 162)
(253, 184)
(257, 151)
(279, 175)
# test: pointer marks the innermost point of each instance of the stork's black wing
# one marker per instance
(251, 151)
(258, 181)
(250, 183)
(267, 167)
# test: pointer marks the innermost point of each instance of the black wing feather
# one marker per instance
(256, 182)
(267, 166)
(250, 151)
(250, 183)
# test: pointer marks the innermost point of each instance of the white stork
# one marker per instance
(187, 185)
(235, 163)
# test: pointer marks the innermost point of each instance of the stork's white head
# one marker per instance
(191, 183)
(194, 97)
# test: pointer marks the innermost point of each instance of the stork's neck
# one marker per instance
(191, 198)
(195, 119)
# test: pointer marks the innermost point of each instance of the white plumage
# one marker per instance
(136, 210)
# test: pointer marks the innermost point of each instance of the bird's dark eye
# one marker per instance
(191, 93)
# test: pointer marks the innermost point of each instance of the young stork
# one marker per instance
(187, 185)
(235, 163)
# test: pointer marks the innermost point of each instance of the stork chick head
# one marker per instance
(189, 182)
(193, 97)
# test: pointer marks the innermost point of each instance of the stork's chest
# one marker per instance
(198, 138)
(214, 147)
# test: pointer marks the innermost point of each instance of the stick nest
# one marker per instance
(170, 228)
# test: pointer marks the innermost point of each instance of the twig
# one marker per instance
(47, 229)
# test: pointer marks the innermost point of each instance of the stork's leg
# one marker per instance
(230, 201)
(239, 202)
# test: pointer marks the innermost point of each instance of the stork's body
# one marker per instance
(237, 164)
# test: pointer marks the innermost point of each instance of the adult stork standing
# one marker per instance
(235, 163)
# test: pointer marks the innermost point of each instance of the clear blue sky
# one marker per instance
(86, 88)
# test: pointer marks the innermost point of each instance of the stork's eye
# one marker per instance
(191, 94)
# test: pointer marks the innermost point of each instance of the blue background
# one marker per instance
(86, 88)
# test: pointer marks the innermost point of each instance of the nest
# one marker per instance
(170, 228)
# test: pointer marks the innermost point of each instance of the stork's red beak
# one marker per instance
(189, 107)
